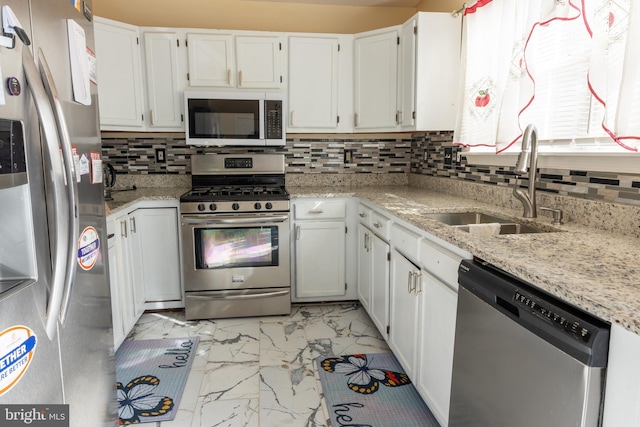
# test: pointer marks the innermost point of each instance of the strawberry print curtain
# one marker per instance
(558, 64)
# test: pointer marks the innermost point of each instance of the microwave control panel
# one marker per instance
(273, 119)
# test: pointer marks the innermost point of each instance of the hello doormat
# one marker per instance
(151, 375)
(371, 390)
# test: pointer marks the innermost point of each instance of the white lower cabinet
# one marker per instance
(404, 313)
(322, 243)
(320, 259)
(436, 336)
(380, 258)
(622, 393)
(144, 264)
(373, 266)
(373, 277)
(127, 299)
(365, 265)
(408, 285)
(157, 237)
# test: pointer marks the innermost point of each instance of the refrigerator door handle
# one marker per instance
(71, 187)
(53, 171)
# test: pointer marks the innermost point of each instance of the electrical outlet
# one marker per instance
(161, 155)
(448, 155)
(348, 156)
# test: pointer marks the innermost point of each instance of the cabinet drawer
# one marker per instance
(364, 214)
(405, 240)
(440, 263)
(318, 209)
(380, 225)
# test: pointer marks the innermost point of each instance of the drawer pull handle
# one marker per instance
(316, 211)
(377, 225)
(362, 215)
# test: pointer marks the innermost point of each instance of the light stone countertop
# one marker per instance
(591, 269)
(122, 200)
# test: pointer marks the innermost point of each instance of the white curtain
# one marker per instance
(566, 66)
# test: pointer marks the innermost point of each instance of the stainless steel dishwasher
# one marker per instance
(522, 357)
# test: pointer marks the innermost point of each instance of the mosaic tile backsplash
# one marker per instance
(354, 160)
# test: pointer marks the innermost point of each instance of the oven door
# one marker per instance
(231, 252)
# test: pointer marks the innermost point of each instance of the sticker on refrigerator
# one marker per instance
(79, 63)
(77, 4)
(76, 162)
(88, 248)
(84, 165)
(17, 347)
(96, 168)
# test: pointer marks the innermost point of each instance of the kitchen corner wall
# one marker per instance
(381, 159)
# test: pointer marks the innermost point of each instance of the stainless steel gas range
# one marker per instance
(235, 237)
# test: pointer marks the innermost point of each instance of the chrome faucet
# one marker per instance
(528, 154)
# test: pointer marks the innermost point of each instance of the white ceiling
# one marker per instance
(387, 3)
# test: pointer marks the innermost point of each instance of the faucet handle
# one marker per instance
(557, 214)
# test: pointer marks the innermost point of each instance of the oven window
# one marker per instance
(224, 118)
(236, 247)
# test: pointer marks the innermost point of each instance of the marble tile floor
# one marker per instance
(259, 371)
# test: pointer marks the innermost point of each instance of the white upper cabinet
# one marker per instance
(437, 72)
(320, 82)
(407, 74)
(164, 86)
(119, 78)
(406, 77)
(242, 61)
(211, 60)
(375, 81)
(259, 61)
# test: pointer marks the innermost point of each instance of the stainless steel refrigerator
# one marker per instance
(56, 342)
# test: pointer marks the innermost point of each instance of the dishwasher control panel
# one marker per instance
(553, 315)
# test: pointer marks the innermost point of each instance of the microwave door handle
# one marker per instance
(71, 187)
(51, 158)
(254, 220)
(263, 114)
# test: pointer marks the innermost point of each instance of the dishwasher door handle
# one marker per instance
(506, 305)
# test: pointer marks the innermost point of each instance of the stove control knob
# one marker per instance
(212, 207)
(201, 207)
(269, 206)
(235, 206)
(257, 206)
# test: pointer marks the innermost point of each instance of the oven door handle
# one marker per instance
(211, 219)
(208, 296)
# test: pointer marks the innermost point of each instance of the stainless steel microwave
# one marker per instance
(234, 118)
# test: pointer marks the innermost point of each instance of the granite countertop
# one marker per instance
(123, 199)
(591, 269)
(594, 270)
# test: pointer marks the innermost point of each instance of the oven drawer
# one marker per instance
(237, 303)
(320, 209)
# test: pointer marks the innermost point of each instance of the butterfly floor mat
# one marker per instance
(371, 390)
(150, 376)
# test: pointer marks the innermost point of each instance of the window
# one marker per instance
(564, 66)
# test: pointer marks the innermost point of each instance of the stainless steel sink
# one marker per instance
(513, 228)
(463, 220)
